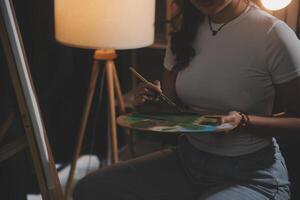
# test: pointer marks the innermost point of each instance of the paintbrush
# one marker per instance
(161, 95)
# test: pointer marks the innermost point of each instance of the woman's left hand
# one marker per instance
(234, 118)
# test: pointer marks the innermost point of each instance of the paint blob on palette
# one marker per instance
(173, 123)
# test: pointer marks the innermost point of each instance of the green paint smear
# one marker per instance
(170, 122)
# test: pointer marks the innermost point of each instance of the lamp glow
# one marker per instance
(275, 4)
(117, 24)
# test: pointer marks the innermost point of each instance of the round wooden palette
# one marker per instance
(173, 123)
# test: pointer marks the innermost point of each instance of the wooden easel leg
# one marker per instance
(128, 134)
(12, 148)
(24, 90)
(5, 126)
(84, 120)
(111, 108)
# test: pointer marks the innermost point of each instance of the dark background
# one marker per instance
(61, 75)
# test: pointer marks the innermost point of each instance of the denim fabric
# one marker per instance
(259, 175)
(185, 173)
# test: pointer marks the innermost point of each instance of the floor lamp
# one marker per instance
(104, 26)
(275, 4)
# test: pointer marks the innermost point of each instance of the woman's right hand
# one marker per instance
(146, 93)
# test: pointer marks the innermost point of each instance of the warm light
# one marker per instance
(117, 24)
(275, 4)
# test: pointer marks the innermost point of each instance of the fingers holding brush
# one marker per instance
(143, 95)
(147, 93)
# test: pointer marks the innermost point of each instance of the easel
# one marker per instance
(35, 135)
(114, 90)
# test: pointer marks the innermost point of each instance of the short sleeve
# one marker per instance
(169, 59)
(282, 53)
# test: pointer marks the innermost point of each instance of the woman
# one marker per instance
(227, 56)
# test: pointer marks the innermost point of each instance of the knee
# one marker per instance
(105, 183)
(80, 190)
(91, 187)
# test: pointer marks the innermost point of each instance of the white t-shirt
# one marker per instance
(236, 71)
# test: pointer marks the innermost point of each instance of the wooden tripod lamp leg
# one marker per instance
(84, 120)
(111, 109)
(128, 134)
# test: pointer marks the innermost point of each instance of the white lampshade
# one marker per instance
(117, 24)
(275, 4)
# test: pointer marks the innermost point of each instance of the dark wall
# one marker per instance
(60, 75)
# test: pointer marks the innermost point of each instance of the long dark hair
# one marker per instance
(184, 33)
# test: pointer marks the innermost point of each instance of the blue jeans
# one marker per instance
(185, 173)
